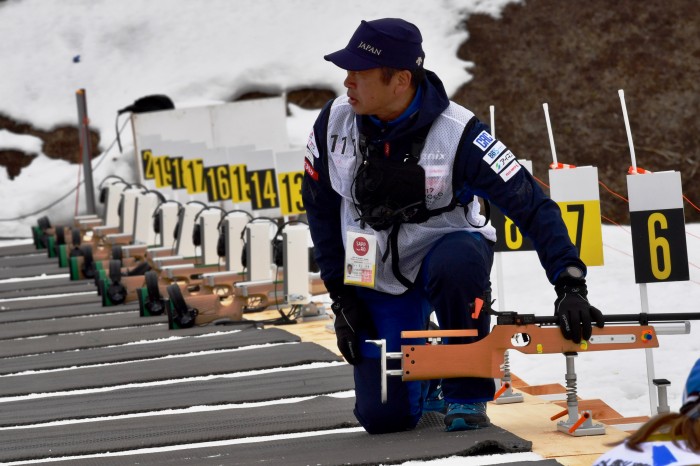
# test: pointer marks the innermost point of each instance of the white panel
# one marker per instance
(259, 255)
(209, 221)
(234, 223)
(655, 191)
(527, 164)
(143, 228)
(114, 195)
(262, 122)
(574, 184)
(168, 220)
(126, 222)
(296, 264)
(185, 247)
(290, 161)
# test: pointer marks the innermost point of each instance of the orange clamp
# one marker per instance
(478, 304)
(559, 165)
(557, 416)
(637, 171)
(502, 390)
(578, 423)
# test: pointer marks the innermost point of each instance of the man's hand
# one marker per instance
(350, 315)
(576, 315)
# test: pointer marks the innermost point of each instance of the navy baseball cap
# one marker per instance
(387, 42)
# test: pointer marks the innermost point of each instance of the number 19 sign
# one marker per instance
(658, 227)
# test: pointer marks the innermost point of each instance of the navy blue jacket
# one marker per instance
(520, 198)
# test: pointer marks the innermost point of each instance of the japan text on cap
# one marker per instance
(388, 42)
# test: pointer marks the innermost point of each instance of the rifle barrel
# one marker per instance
(641, 318)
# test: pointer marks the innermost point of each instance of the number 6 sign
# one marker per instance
(658, 227)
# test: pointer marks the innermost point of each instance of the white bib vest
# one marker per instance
(437, 160)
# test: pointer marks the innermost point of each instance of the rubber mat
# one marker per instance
(69, 310)
(19, 249)
(124, 317)
(65, 359)
(101, 338)
(17, 304)
(31, 271)
(428, 441)
(31, 283)
(214, 391)
(27, 260)
(166, 368)
(66, 287)
(165, 430)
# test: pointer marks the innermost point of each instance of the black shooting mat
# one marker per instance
(65, 288)
(295, 382)
(37, 283)
(32, 271)
(165, 369)
(176, 429)
(428, 441)
(63, 359)
(48, 301)
(118, 317)
(19, 249)
(27, 260)
(100, 338)
(69, 310)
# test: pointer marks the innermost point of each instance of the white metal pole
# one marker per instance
(621, 93)
(549, 131)
(497, 256)
(653, 402)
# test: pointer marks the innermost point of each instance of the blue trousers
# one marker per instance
(455, 272)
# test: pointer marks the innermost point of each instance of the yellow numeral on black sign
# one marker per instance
(147, 163)
(263, 189)
(658, 242)
(290, 193)
(659, 247)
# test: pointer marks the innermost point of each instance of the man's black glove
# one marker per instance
(575, 313)
(350, 316)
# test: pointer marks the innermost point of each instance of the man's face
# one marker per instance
(370, 95)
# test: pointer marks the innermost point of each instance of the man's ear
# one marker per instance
(403, 81)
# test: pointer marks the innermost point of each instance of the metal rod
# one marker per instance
(84, 132)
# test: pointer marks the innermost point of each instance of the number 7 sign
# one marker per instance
(575, 190)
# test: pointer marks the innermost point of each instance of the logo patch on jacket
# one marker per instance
(494, 152)
(483, 140)
(309, 168)
(311, 148)
(503, 161)
(510, 171)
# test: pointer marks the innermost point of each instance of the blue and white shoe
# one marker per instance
(466, 416)
(435, 401)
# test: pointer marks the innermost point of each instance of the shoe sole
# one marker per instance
(460, 424)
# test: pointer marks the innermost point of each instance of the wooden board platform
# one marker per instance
(530, 419)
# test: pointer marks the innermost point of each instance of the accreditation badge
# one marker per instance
(360, 259)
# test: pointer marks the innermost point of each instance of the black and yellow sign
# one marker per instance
(263, 189)
(226, 182)
(508, 235)
(658, 242)
(582, 219)
(290, 192)
(658, 227)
